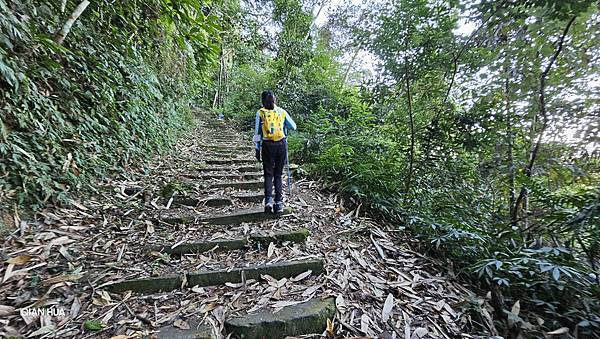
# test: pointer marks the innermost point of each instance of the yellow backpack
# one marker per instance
(272, 123)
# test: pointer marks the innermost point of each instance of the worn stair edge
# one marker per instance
(172, 282)
(229, 161)
(193, 202)
(228, 168)
(217, 202)
(278, 270)
(241, 176)
(243, 216)
(252, 175)
(239, 184)
(197, 330)
(306, 318)
(204, 246)
(183, 201)
(225, 219)
(227, 147)
(297, 236)
(216, 176)
(249, 197)
(164, 283)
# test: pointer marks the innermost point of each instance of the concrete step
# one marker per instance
(228, 147)
(243, 185)
(243, 168)
(197, 330)
(249, 196)
(253, 215)
(216, 277)
(241, 176)
(286, 269)
(230, 161)
(181, 200)
(163, 283)
(202, 246)
(232, 218)
(301, 319)
(264, 239)
(305, 318)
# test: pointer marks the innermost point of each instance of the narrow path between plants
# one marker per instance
(181, 249)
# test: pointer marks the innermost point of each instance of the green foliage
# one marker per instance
(118, 89)
(458, 204)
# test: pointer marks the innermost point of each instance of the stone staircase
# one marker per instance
(227, 187)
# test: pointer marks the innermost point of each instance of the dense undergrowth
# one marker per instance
(455, 140)
(116, 90)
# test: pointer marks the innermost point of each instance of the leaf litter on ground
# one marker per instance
(67, 254)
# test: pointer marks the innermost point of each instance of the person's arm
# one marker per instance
(289, 122)
(257, 131)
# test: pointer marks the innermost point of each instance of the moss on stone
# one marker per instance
(297, 236)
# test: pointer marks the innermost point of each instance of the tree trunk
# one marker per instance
(509, 144)
(412, 132)
(217, 98)
(354, 56)
(314, 19)
(543, 115)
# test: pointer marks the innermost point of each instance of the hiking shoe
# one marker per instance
(278, 209)
(269, 205)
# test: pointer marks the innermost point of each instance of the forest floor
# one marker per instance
(67, 259)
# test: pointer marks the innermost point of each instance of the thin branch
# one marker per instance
(464, 47)
(62, 34)
(63, 6)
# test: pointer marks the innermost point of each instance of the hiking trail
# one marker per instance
(182, 249)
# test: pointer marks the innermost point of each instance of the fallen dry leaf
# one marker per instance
(62, 278)
(562, 330)
(387, 308)
(20, 260)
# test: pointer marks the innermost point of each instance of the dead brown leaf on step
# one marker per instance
(20, 260)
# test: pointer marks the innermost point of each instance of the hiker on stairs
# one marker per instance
(270, 132)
